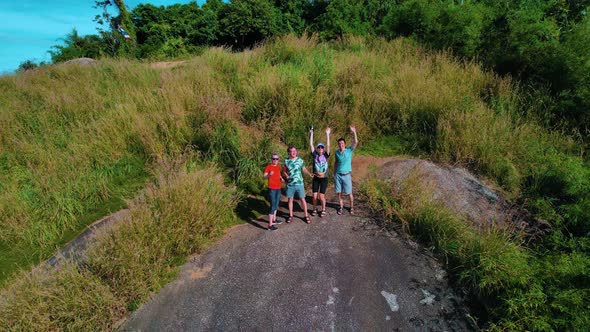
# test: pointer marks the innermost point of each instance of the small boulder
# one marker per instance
(82, 61)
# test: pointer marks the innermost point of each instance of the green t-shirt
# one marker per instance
(295, 168)
(344, 160)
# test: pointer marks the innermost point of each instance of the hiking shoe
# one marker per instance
(278, 222)
(352, 211)
(339, 211)
(273, 228)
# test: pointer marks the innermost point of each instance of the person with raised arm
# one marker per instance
(343, 171)
(320, 154)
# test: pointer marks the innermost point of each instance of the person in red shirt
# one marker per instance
(272, 172)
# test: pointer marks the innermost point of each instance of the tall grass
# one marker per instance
(75, 139)
(170, 220)
(68, 299)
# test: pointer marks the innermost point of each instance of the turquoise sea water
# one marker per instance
(28, 28)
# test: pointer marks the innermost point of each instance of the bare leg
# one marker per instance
(304, 206)
(271, 219)
(315, 200)
(341, 200)
(290, 203)
(323, 200)
(351, 201)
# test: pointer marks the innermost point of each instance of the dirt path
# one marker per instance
(339, 273)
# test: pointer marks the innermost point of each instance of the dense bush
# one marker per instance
(539, 41)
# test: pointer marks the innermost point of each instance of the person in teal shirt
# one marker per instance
(343, 171)
(293, 172)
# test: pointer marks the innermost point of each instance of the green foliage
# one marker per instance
(411, 18)
(392, 145)
(112, 41)
(462, 28)
(245, 22)
(27, 65)
(533, 40)
(575, 88)
(288, 50)
(530, 39)
(289, 16)
(344, 17)
(76, 46)
(175, 30)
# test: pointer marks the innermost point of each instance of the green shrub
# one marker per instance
(169, 222)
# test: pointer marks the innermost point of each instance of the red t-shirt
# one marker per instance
(274, 181)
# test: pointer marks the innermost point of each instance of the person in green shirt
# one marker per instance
(293, 173)
(343, 170)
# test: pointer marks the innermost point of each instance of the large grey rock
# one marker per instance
(461, 192)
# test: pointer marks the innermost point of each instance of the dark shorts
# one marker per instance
(319, 185)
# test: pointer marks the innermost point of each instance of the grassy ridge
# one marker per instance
(171, 220)
(74, 138)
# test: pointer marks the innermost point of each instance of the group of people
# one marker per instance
(292, 173)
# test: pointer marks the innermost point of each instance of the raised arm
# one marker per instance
(328, 140)
(355, 140)
(311, 140)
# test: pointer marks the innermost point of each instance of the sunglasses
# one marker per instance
(275, 158)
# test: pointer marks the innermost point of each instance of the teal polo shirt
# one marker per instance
(344, 160)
